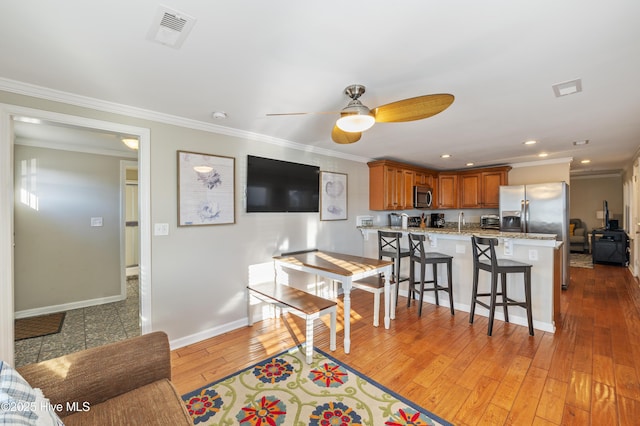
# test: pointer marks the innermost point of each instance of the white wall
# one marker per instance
(587, 195)
(199, 273)
(59, 258)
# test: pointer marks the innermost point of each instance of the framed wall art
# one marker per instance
(333, 196)
(206, 189)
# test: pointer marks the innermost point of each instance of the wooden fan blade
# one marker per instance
(413, 108)
(301, 113)
(342, 137)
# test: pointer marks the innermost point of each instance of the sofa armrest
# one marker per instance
(95, 375)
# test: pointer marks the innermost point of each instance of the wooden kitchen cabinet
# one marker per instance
(470, 190)
(481, 188)
(490, 189)
(391, 184)
(448, 191)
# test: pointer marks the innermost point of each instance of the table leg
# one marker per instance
(347, 314)
(389, 308)
(308, 346)
(332, 338)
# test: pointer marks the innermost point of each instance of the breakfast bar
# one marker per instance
(542, 251)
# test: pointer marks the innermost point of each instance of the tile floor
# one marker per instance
(86, 328)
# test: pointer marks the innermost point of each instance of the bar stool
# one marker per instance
(418, 255)
(389, 246)
(484, 258)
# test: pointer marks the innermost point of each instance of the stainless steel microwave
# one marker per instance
(422, 197)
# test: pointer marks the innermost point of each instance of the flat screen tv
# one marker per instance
(281, 186)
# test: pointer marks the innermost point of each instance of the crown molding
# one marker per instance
(543, 162)
(27, 89)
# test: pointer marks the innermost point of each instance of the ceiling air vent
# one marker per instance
(170, 27)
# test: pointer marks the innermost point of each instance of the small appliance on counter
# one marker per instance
(395, 219)
(414, 221)
(437, 220)
(490, 221)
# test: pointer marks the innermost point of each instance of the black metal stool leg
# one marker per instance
(422, 273)
(434, 268)
(474, 295)
(505, 300)
(527, 295)
(492, 305)
(449, 283)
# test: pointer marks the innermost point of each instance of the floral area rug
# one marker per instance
(284, 390)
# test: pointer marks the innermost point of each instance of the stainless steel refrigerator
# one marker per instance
(541, 208)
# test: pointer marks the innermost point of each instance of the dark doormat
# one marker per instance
(43, 325)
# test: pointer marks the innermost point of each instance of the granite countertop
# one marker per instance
(467, 230)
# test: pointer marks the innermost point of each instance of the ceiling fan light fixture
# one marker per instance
(355, 118)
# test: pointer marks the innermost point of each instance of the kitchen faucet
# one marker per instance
(460, 221)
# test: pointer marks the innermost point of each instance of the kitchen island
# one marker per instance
(540, 250)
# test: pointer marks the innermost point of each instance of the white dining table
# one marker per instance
(341, 267)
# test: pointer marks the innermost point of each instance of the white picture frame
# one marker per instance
(333, 196)
(206, 189)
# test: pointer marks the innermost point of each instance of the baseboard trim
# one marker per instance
(206, 334)
(67, 306)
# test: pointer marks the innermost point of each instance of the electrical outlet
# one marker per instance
(508, 247)
(533, 254)
(433, 241)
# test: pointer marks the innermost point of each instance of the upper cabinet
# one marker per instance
(447, 191)
(479, 188)
(391, 184)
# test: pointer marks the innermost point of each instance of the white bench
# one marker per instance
(300, 303)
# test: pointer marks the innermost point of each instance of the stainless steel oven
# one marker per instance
(422, 197)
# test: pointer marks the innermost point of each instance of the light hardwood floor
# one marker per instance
(586, 373)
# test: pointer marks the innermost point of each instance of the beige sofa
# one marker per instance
(123, 383)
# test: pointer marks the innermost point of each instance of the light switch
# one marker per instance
(161, 229)
(96, 221)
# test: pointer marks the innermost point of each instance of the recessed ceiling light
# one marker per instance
(219, 115)
(584, 142)
(567, 88)
(445, 156)
(470, 164)
(543, 154)
(530, 142)
(587, 161)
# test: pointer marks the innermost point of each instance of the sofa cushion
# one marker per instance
(157, 403)
(21, 404)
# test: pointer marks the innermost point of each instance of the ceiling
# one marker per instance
(499, 59)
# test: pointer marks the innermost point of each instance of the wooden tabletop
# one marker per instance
(337, 263)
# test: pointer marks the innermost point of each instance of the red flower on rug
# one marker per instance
(334, 414)
(409, 417)
(329, 375)
(273, 371)
(204, 405)
(267, 411)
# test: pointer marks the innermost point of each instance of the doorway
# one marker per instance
(8, 116)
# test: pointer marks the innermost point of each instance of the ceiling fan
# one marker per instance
(355, 118)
